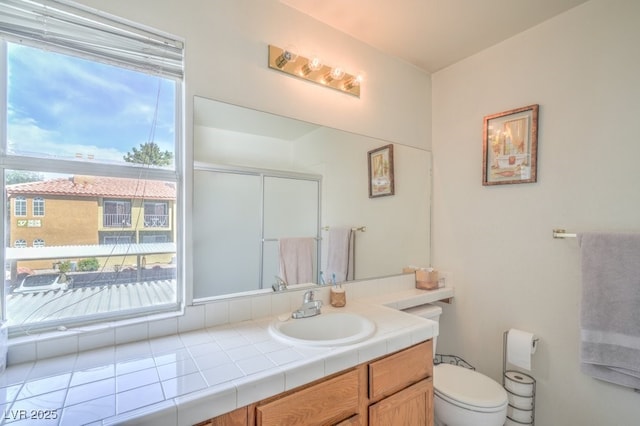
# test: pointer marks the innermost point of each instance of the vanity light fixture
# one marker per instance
(312, 69)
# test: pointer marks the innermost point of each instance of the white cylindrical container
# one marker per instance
(521, 402)
(520, 416)
(510, 422)
(519, 383)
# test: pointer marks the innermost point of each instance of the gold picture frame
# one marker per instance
(510, 146)
(381, 182)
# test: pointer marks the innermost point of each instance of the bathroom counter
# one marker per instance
(404, 299)
(189, 377)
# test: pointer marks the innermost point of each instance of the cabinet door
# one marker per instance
(327, 402)
(235, 418)
(409, 407)
(389, 375)
(351, 421)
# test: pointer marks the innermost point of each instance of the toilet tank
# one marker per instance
(427, 311)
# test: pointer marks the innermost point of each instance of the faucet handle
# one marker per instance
(309, 296)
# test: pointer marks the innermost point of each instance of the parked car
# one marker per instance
(43, 282)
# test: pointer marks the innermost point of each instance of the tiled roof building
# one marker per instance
(90, 210)
(92, 186)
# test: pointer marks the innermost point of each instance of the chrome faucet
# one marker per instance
(310, 307)
(280, 284)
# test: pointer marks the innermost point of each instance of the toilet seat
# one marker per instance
(468, 389)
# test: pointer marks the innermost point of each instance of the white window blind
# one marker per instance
(74, 29)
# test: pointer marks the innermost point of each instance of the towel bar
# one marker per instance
(561, 233)
(361, 228)
(265, 240)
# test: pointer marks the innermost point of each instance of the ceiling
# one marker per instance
(432, 34)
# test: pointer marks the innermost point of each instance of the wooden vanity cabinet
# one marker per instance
(401, 387)
(399, 370)
(238, 417)
(393, 390)
(410, 406)
(328, 402)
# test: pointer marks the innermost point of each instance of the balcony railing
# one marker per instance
(156, 220)
(116, 220)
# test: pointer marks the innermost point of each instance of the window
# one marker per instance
(117, 214)
(38, 206)
(68, 73)
(155, 238)
(20, 206)
(156, 214)
(117, 239)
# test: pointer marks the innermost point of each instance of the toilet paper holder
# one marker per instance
(521, 391)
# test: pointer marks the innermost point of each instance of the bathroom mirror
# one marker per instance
(238, 141)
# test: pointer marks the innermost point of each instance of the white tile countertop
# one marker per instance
(185, 378)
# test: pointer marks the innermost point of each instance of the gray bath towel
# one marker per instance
(610, 310)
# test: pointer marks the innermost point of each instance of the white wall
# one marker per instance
(398, 226)
(582, 68)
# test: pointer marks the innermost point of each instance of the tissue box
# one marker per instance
(426, 280)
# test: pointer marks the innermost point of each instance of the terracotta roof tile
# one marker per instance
(96, 186)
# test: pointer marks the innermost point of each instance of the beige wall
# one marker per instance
(582, 68)
(58, 226)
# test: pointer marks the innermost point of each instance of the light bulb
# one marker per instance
(354, 82)
(314, 64)
(288, 55)
(336, 73)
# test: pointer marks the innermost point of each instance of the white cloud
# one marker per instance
(27, 138)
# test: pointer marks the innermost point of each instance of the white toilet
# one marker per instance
(463, 397)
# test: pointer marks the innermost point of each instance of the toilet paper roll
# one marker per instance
(520, 346)
(522, 416)
(519, 383)
(510, 422)
(522, 402)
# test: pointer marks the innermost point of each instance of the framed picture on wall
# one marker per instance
(381, 171)
(510, 146)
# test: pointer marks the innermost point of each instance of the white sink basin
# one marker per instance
(329, 329)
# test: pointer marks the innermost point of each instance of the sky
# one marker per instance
(62, 106)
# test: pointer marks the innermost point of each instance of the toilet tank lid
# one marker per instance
(468, 387)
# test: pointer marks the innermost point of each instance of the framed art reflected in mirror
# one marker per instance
(381, 171)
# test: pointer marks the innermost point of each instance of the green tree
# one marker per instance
(149, 154)
(20, 176)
